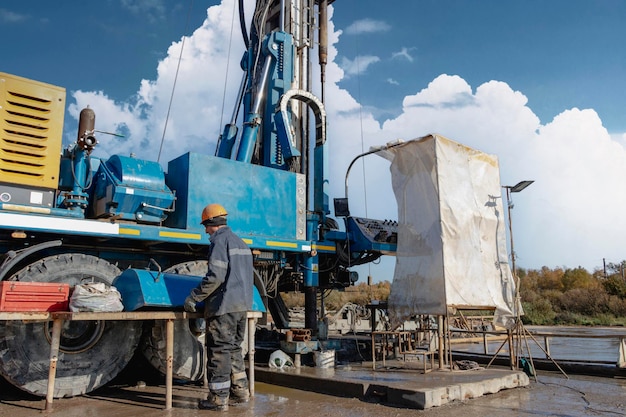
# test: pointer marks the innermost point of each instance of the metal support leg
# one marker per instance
(373, 349)
(251, 331)
(169, 353)
(57, 324)
(512, 357)
(440, 334)
(205, 361)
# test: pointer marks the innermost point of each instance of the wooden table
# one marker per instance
(169, 316)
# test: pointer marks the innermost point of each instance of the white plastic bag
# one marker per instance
(280, 360)
(95, 296)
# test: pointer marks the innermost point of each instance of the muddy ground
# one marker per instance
(552, 395)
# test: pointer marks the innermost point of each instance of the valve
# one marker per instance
(86, 140)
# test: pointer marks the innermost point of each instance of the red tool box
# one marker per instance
(33, 296)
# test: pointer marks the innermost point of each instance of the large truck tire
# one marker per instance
(91, 353)
(189, 351)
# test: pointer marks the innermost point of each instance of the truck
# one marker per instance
(69, 217)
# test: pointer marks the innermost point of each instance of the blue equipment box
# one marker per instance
(261, 201)
(141, 288)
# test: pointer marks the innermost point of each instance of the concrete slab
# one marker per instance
(398, 383)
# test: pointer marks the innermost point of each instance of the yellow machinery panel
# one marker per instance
(31, 131)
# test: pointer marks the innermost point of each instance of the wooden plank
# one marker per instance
(30, 315)
(169, 355)
(251, 351)
(126, 315)
(99, 315)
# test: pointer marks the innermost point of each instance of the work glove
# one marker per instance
(190, 304)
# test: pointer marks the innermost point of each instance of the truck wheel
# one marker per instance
(189, 355)
(91, 353)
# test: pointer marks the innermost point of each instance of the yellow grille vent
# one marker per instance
(31, 131)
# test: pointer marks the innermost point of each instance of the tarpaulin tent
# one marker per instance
(451, 238)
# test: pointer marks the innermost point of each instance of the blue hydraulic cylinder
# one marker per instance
(229, 136)
(248, 137)
(253, 120)
(276, 78)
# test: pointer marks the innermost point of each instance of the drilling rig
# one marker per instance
(69, 217)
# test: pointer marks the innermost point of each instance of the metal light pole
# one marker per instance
(514, 189)
(514, 351)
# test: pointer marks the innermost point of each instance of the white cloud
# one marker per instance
(7, 16)
(357, 65)
(579, 195)
(572, 215)
(619, 138)
(392, 81)
(403, 53)
(153, 10)
(367, 26)
(445, 90)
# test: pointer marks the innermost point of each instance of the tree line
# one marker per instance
(564, 296)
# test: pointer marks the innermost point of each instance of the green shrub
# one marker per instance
(615, 285)
(587, 302)
(539, 312)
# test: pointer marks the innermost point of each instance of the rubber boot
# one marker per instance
(239, 396)
(239, 392)
(214, 402)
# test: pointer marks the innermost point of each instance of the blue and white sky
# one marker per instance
(539, 84)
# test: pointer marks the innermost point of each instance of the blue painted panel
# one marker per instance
(260, 201)
(141, 288)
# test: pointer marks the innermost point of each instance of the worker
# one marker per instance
(226, 290)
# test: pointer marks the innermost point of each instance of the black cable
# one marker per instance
(242, 24)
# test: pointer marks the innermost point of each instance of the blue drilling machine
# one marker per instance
(69, 217)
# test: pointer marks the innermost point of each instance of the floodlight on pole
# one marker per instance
(515, 351)
(514, 189)
(519, 186)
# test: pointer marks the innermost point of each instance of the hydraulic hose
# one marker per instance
(242, 24)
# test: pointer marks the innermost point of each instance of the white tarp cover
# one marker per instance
(451, 237)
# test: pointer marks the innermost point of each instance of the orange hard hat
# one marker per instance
(214, 215)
